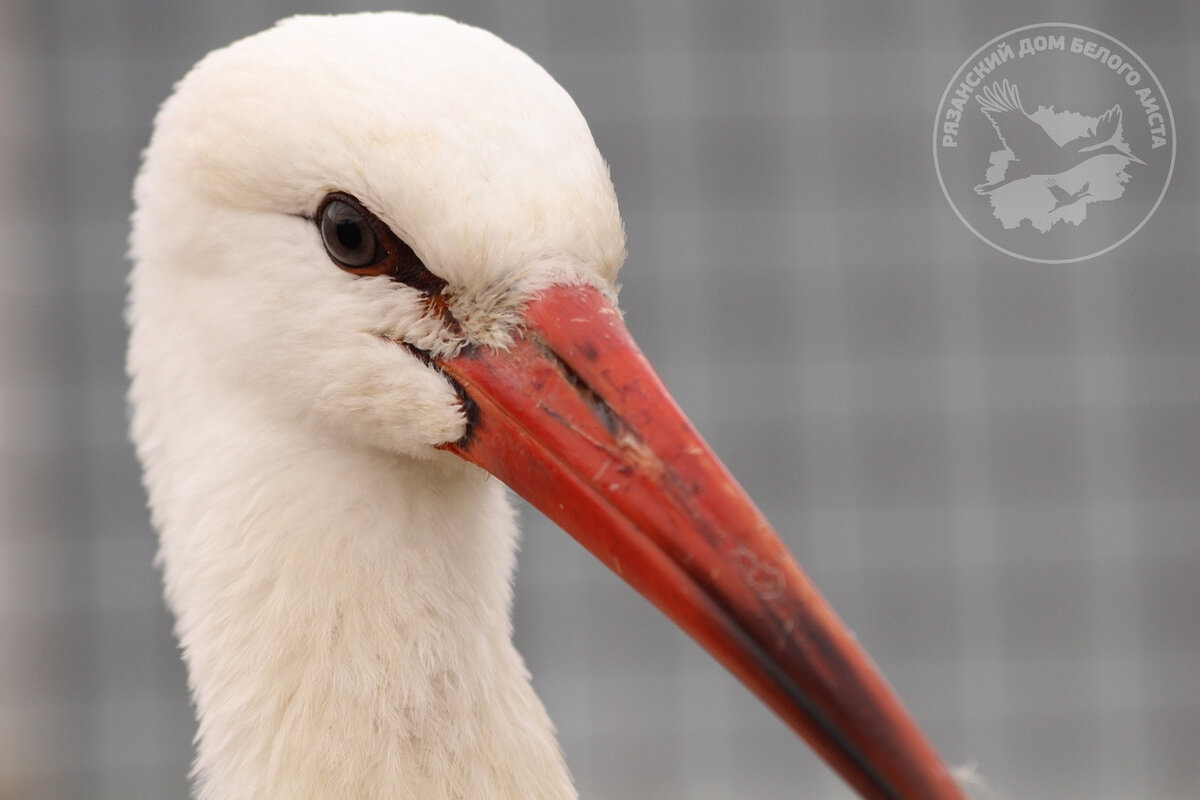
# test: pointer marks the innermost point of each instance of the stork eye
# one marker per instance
(349, 237)
(360, 243)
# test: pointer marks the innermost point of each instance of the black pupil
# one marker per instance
(348, 236)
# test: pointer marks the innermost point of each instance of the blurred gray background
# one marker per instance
(991, 467)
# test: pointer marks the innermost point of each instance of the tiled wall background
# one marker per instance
(991, 467)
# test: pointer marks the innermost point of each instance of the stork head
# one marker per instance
(397, 229)
(326, 205)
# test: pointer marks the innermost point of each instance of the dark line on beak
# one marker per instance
(607, 415)
(804, 701)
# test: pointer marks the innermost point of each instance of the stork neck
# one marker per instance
(345, 616)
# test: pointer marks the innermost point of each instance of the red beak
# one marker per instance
(574, 419)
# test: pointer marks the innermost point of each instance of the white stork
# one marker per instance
(374, 262)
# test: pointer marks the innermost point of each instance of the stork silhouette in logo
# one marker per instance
(1035, 152)
(1063, 198)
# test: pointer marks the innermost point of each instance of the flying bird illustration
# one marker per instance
(1035, 152)
(1063, 198)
